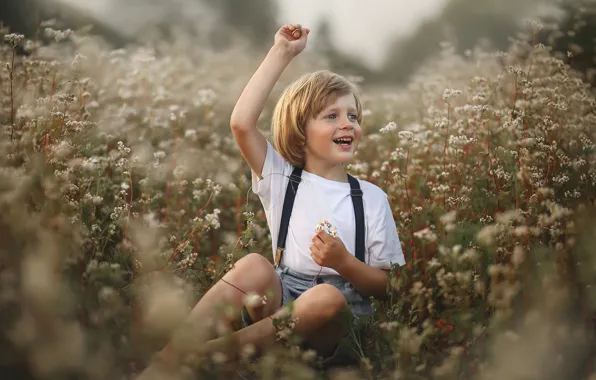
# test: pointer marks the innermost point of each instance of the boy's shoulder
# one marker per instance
(372, 192)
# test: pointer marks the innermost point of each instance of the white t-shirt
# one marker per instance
(321, 199)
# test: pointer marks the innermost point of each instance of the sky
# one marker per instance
(357, 28)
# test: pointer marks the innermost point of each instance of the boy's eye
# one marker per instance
(351, 116)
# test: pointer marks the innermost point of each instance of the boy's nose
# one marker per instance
(346, 122)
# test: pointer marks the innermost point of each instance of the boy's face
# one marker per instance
(332, 136)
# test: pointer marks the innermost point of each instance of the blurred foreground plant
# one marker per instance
(123, 198)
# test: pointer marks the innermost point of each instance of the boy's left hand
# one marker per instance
(327, 250)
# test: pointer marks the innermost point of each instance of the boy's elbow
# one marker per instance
(235, 119)
(239, 125)
(235, 123)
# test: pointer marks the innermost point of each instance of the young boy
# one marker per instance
(316, 128)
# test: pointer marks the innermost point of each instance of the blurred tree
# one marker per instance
(24, 17)
(575, 37)
(255, 19)
(17, 15)
(464, 23)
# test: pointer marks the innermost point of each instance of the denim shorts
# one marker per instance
(295, 283)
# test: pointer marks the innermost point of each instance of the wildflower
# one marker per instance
(95, 199)
(190, 133)
(106, 293)
(327, 227)
(397, 154)
(487, 234)
(212, 219)
(449, 217)
(434, 263)
(48, 23)
(449, 94)
(219, 357)
(78, 59)
(417, 288)
(253, 300)
(205, 97)
(442, 324)
(309, 355)
(405, 135)
(388, 326)
(188, 261)
(13, 39)
(425, 234)
(248, 351)
(521, 231)
(388, 128)
(442, 124)
(518, 256)
(58, 35)
(410, 341)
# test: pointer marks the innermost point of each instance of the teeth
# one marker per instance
(347, 141)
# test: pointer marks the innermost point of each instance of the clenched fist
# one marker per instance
(291, 38)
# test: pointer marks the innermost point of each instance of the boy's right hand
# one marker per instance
(291, 39)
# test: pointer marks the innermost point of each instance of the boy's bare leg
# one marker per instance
(317, 311)
(253, 274)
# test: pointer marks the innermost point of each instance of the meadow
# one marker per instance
(123, 198)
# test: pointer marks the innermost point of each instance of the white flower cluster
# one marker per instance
(327, 227)
(188, 261)
(13, 39)
(212, 220)
(388, 128)
(58, 35)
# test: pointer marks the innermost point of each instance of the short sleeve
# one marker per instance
(384, 246)
(271, 181)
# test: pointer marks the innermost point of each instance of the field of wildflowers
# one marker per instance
(123, 198)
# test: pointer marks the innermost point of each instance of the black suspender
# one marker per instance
(287, 211)
(291, 189)
(356, 194)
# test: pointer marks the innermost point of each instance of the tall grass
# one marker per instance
(123, 197)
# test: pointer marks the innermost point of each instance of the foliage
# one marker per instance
(123, 198)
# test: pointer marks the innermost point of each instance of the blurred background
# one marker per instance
(383, 42)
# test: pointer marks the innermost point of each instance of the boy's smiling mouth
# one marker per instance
(345, 141)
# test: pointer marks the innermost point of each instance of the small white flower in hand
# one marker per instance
(327, 227)
(326, 248)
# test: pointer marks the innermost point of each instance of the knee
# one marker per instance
(333, 301)
(255, 271)
(253, 261)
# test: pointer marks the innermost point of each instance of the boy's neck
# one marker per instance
(333, 173)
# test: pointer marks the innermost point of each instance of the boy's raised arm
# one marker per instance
(290, 40)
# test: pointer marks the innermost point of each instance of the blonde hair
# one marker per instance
(300, 101)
